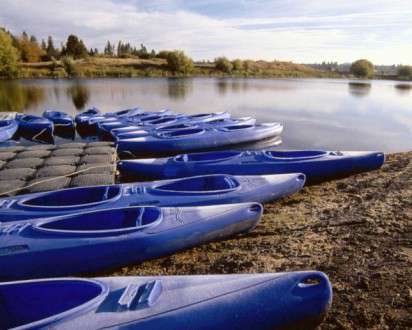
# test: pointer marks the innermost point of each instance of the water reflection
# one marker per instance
(178, 88)
(403, 89)
(17, 97)
(359, 89)
(80, 95)
(222, 86)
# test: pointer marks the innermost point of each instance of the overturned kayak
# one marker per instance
(200, 190)
(192, 139)
(84, 116)
(296, 300)
(59, 118)
(100, 240)
(8, 129)
(82, 121)
(64, 125)
(34, 128)
(316, 165)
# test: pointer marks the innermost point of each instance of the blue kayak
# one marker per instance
(64, 125)
(96, 241)
(8, 129)
(193, 191)
(34, 128)
(192, 139)
(295, 300)
(315, 164)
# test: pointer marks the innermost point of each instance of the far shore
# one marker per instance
(103, 67)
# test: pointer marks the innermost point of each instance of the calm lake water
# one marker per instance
(316, 113)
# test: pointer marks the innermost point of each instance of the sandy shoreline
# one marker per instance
(357, 230)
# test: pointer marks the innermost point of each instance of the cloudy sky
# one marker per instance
(296, 30)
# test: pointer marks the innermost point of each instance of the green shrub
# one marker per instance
(362, 69)
(223, 64)
(70, 67)
(237, 65)
(405, 71)
(177, 61)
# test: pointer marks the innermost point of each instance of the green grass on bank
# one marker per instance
(133, 67)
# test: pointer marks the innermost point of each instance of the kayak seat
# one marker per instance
(202, 184)
(24, 303)
(73, 197)
(207, 156)
(104, 220)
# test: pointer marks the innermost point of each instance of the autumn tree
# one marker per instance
(8, 56)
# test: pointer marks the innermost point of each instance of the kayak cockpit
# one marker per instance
(54, 299)
(162, 121)
(237, 127)
(201, 185)
(294, 155)
(205, 157)
(182, 133)
(104, 221)
(173, 127)
(77, 197)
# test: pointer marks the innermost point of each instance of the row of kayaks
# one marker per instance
(137, 132)
(91, 229)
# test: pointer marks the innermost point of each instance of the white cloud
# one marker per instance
(382, 33)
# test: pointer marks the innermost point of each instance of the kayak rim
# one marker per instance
(89, 294)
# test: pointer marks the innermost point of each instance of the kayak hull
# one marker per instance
(316, 165)
(192, 191)
(168, 302)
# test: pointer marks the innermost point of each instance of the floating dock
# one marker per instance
(49, 167)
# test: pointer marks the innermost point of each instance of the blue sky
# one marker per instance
(295, 30)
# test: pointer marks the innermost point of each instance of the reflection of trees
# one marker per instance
(179, 88)
(80, 95)
(15, 96)
(403, 89)
(222, 86)
(359, 88)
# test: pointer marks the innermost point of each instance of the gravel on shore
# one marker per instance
(357, 230)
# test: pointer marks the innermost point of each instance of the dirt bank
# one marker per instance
(357, 230)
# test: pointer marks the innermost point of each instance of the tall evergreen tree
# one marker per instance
(75, 47)
(51, 51)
